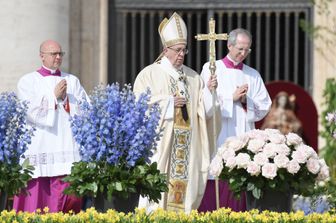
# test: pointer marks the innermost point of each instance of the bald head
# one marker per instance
(47, 44)
(51, 54)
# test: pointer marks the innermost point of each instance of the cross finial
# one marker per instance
(212, 37)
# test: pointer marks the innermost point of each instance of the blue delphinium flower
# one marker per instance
(116, 127)
(15, 135)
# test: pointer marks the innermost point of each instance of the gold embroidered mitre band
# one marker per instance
(173, 31)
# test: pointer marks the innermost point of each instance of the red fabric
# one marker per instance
(305, 109)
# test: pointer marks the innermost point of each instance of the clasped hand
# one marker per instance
(60, 89)
(240, 93)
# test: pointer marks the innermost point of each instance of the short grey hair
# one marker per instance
(234, 33)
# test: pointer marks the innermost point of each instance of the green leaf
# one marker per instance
(118, 186)
(256, 192)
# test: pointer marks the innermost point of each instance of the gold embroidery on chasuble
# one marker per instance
(179, 158)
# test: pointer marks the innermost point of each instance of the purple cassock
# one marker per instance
(47, 192)
(226, 198)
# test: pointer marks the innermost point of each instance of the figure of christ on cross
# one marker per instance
(212, 37)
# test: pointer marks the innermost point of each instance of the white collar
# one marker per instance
(51, 71)
(167, 65)
(234, 62)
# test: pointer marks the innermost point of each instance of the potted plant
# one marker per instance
(116, 133)
(267, 164)
(15, 135)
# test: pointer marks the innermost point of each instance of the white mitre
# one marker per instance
(173, 31)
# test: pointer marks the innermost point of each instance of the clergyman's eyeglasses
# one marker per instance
(178, 51)
(242, 50)
(54, 54)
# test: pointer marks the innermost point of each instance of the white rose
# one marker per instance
(255, 145)
(293, 139)
(313, 165)
(227, 153)
(307, 150)
(322, 162)
(231, 163)
(299, 156)
(269, 170)
(277, 138)
(324, 171)
(253, 168)
(216, 166)
(260, 159)
(257, 134)
(281, 161)
(242, 159)
(323, 174)
(272, 131)
(269, 150)
(282, 149)
(234, 143)
(293, 167)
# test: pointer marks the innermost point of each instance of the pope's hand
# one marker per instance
(212, 82)
(179, 101)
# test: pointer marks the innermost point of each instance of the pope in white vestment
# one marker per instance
(52, 97)
(243, 100)
(183, 151)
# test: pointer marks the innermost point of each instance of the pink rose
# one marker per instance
(253, 169)
(293, 167)
(323, 174)
(282, 149)
(269, 170)
(260, 159)
(277, 138)
(255, 145)
(299, 156)
(234, 143)
(231, 163)
(216, 166)
(227, 153)
(269, 150)
(293, 139)
(313, 165)
(281, 161)
(242, 159)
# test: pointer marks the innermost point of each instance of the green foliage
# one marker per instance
(329, 150)
(88, 178)
(14, 177)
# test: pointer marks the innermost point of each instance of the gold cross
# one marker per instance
(212, 37)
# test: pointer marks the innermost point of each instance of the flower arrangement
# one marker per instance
(116, 133)
(15, 135)
(268, 160)
(159, 215)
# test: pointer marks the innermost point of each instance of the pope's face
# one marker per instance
(175, 54)
(241, 49)
(51, 55)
